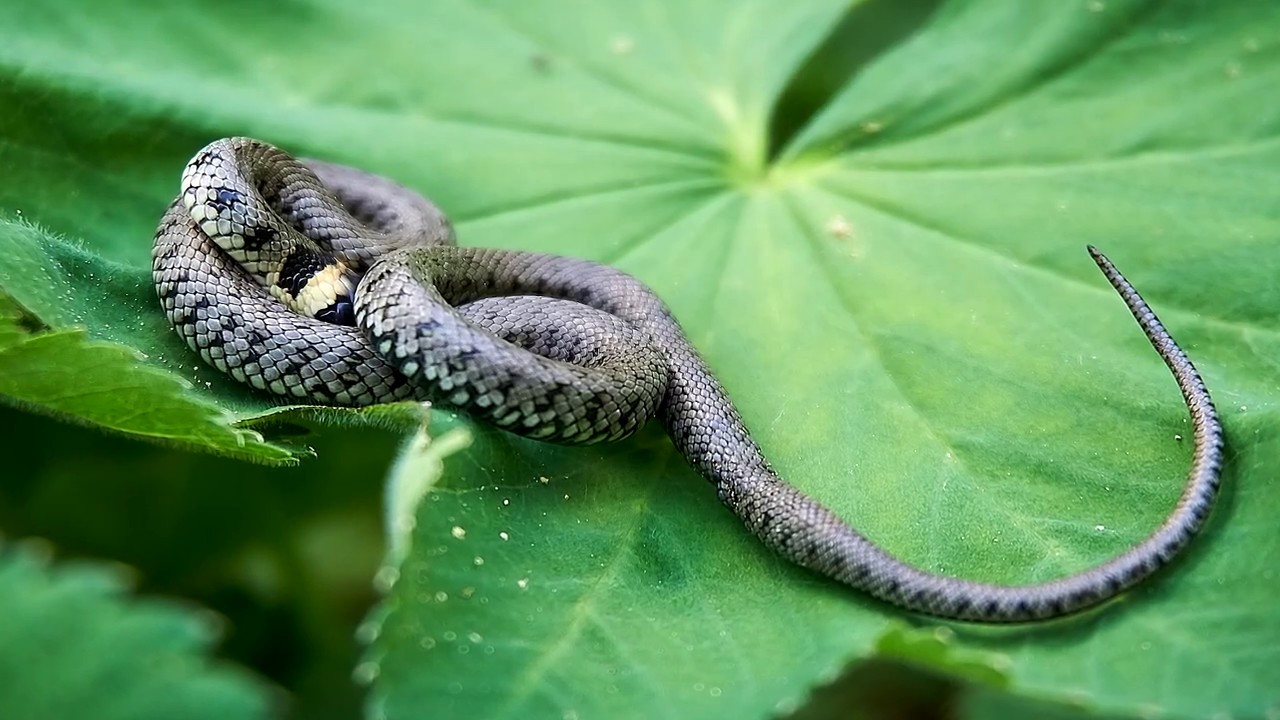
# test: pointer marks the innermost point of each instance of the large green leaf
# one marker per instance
(897, 294)
(74, 648)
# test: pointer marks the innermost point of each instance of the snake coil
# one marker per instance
(322, 283)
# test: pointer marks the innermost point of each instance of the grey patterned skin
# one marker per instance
(567, 351)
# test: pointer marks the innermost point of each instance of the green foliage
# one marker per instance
(881, 254)
(75, 648)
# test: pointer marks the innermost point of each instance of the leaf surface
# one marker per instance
(74, 646)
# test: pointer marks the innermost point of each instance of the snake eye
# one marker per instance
(341, 312)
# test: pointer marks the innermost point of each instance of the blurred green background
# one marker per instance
(286, 556)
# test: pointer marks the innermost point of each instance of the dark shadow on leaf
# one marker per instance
(867, 31)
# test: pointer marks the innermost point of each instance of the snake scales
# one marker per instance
(323, 283)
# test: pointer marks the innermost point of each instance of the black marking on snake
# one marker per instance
(260, 338)
(199, 308)
(226, 199)
(429, 327)
(297, 269)
(257, 237)
(698, 415)
(202, 158)
(341, 312)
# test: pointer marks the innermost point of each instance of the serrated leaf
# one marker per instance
(83, 343)
(76, 647)
(897, 295)
(63, 373)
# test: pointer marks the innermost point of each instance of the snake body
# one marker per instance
(259, 246)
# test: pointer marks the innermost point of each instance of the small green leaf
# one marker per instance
(418, 467)
(75, 647)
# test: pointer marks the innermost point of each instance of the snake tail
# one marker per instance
(809, 534)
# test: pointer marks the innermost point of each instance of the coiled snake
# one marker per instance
(323, 283)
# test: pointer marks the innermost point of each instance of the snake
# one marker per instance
(323, 283)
